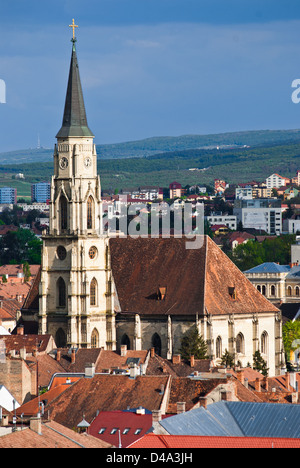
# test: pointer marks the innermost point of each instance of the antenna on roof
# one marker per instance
(120, 442)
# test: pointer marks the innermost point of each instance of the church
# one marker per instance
(97, 291)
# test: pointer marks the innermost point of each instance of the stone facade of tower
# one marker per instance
(75, 303)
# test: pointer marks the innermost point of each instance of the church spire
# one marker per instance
(74, 119)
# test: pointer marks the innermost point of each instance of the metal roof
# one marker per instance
(237, 419)
(269, 267)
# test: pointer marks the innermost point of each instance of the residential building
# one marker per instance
(225, 219)
(175, 190)
(40, 192)
(260, 214)
(220, 187)
(244, 193)
(291, 226)
(8, 195)
(276, 181)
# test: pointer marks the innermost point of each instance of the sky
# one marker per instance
(148, 67)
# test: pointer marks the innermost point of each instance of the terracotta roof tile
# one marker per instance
(196, 280)
(106, 393)
(53, 435)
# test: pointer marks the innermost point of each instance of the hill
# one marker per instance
(200, 166)
(155, 145)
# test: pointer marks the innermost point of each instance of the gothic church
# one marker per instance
(96, 291)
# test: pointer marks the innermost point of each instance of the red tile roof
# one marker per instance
(190, 442)
(106, 393)
(53, 435)
(196, 279)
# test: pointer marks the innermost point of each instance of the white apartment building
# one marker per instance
(262, 214)
(276, 181)
(218, 218)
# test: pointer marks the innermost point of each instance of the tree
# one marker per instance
(26, 271)
(259, 364)
(227, 359)
(291, 337)
(193, 344)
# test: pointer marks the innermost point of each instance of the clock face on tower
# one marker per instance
(63, 163)
(87, 162)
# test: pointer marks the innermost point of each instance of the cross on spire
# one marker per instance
(73, 26)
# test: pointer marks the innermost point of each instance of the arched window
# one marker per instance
(95, 339)
(297, 291)
(90, 213)
(156, 343)
(264, 343)
(263, 289)
(63, 208)
(125, 341)
(258, 288)
(240, 344)
(60, 338)
(61, 292)
(273, 290)
(289, 291)
(93, 292)
(218, 347)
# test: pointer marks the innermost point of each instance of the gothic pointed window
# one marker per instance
(63, 208)
(219, 347)
(95, 339)
(93, 292)
(61, 292)
(90, 213)
(156, 344)
(240, 344)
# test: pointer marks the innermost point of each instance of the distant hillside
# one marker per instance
(155, 145)
(202, 166)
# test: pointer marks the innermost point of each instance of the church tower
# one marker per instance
(76, 304)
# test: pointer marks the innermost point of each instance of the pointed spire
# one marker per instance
(74, 120)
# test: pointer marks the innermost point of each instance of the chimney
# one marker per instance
(89, 371)
(133, 371)
(156, 416)
(176, 359)
(203, 402)
(36, 425)
(58, 355)
(266, 384)
(192, 361)
(20, 330)
(73, 356)
(23, 353)
(226, 395)
(152, 352)
(240, 376)
(180, 407)
(257, 385)
(287, 380)
(123, 350)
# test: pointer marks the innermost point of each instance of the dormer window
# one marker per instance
(232, 292)
(161, 293)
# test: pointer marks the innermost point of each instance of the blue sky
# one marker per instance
(149, 67)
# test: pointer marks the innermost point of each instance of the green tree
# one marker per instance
(227, 359)
(193, 344)
(259, 364)
(26, 271)
(290, 337)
